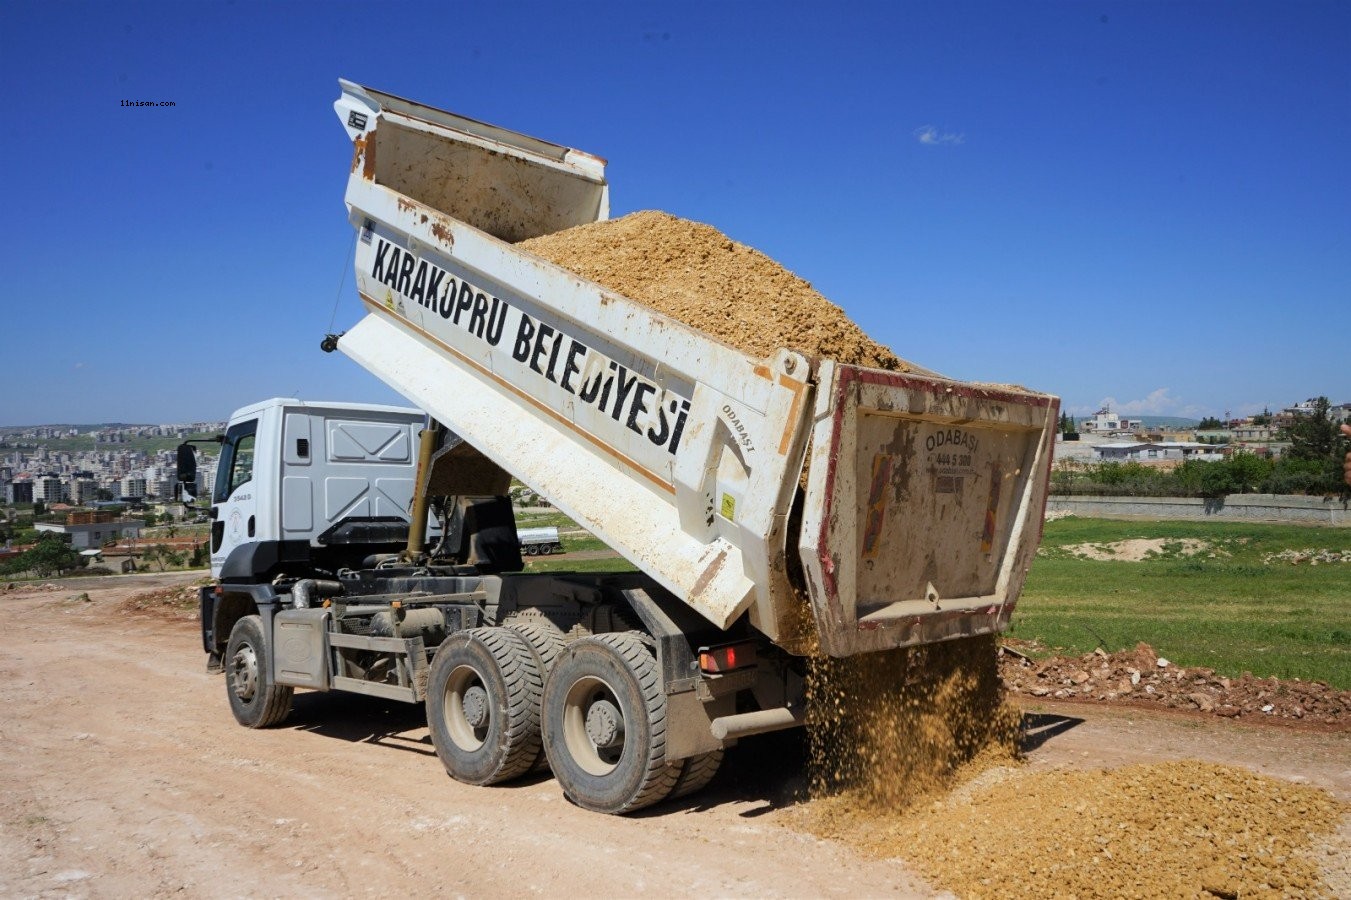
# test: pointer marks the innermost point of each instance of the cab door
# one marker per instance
(234, 499)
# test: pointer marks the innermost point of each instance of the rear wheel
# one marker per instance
(483, 696)
(696, 773)
(605, 724)
(254, 699)
(546, 642)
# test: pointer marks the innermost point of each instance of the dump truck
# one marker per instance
(770, 508)
(540, 540)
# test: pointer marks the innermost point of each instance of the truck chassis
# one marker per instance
(608, 680)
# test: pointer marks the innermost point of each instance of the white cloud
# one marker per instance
(1159, 402)
(928, 134)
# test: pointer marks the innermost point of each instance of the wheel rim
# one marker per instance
(244, 672)
(468, 713)
(593, 726)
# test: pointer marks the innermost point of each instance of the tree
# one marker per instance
(1262, 418)
(1248, 470)
(50, 556)
(1210, 423)
(1217, 480)
(1313, 436)
(158, 554)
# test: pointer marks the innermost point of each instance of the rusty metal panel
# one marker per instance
(923, 506)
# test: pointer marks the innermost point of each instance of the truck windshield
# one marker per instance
(236, 459)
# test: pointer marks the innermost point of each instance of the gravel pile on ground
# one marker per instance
(698, 275)
(1183, 829)
(1141, 676)
(174, 601)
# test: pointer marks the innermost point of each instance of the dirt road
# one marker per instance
(122, 773)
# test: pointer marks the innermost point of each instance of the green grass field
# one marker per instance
(555, 564)
(542, 517)
(1234, 606)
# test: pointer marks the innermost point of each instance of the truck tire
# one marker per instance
(483, 701)
(605, 724)
(254, 699)
(697, 772)
(546, 642)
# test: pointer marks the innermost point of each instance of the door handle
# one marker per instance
(250, 526)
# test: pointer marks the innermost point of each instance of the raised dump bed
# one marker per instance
(922, 504)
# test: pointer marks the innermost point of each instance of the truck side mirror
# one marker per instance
(187, 474)
(187, 470)
(187, 464)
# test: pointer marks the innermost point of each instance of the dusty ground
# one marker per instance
(122, 773)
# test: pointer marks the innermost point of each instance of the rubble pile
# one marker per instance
(173, 600)
(1309, 556)
(1142, 676)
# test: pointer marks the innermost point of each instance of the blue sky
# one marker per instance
(1142, 202)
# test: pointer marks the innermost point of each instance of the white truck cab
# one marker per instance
(311, 484)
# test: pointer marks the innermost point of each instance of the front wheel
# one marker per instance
(254, 699)
(605, 724)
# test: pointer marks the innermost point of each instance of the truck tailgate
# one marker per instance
(923, 506)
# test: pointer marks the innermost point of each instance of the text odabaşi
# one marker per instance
(560, 358)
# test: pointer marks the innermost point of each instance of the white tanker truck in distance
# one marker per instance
(350, 559)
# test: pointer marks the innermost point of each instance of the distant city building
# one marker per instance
(1302, 409)
(1252, 432)
(19, 492)
(1104, 421)
(133, 487)
(159, 488)
(1169, 434)
(83, 491)
(1145, 451)
(93, 535)
(48, 489)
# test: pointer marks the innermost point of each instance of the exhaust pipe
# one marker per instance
(728, 728)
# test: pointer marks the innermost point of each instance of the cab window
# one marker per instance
(236, 459)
